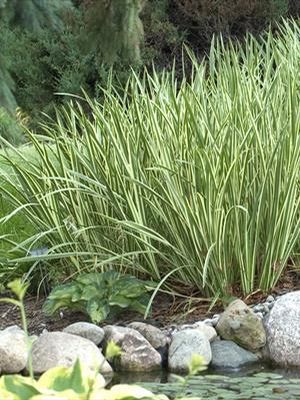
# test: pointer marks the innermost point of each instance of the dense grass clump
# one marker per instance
(196, 181)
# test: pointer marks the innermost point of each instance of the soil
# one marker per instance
(167, 310)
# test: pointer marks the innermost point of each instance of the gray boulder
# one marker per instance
(86, 330)
(227, 354)
(208, 330)
(241, 325)
(159, 340)
(62, 349)
(13, 350)
(184, 344)
(283, 331)
(154, 335)
(137, 353)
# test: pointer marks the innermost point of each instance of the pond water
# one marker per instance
(251, 383)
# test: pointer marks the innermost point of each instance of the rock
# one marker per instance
(62, 349)
(214, 322)
(154, 335)
(13, 328)
(202, 326)
(227, 354)
(270, 299)
(208, 321)
(86, 330)
(208, 330)
(137, 353)
(266, 309)
(240, 324)
(13, 350)
(159, 340)
(283, 330)
(258, 308)
(184, 344)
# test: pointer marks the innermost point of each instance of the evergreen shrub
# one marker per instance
(10, 130)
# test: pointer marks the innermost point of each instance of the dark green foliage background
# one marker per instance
(51, 47)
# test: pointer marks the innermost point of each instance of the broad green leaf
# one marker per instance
(6, 395)
(62, 378)
(119, 300)
(68, 394)
(138, 305)
(97, 309)
(92, 278)
(124, 391)
(54, 304)
(96, 292)
(24, 388)
(90, 291)
(60, 297)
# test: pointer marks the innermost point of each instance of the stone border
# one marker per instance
(239, 336)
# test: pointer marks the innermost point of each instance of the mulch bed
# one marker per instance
(166, 310)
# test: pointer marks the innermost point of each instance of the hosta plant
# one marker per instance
(100, 295)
